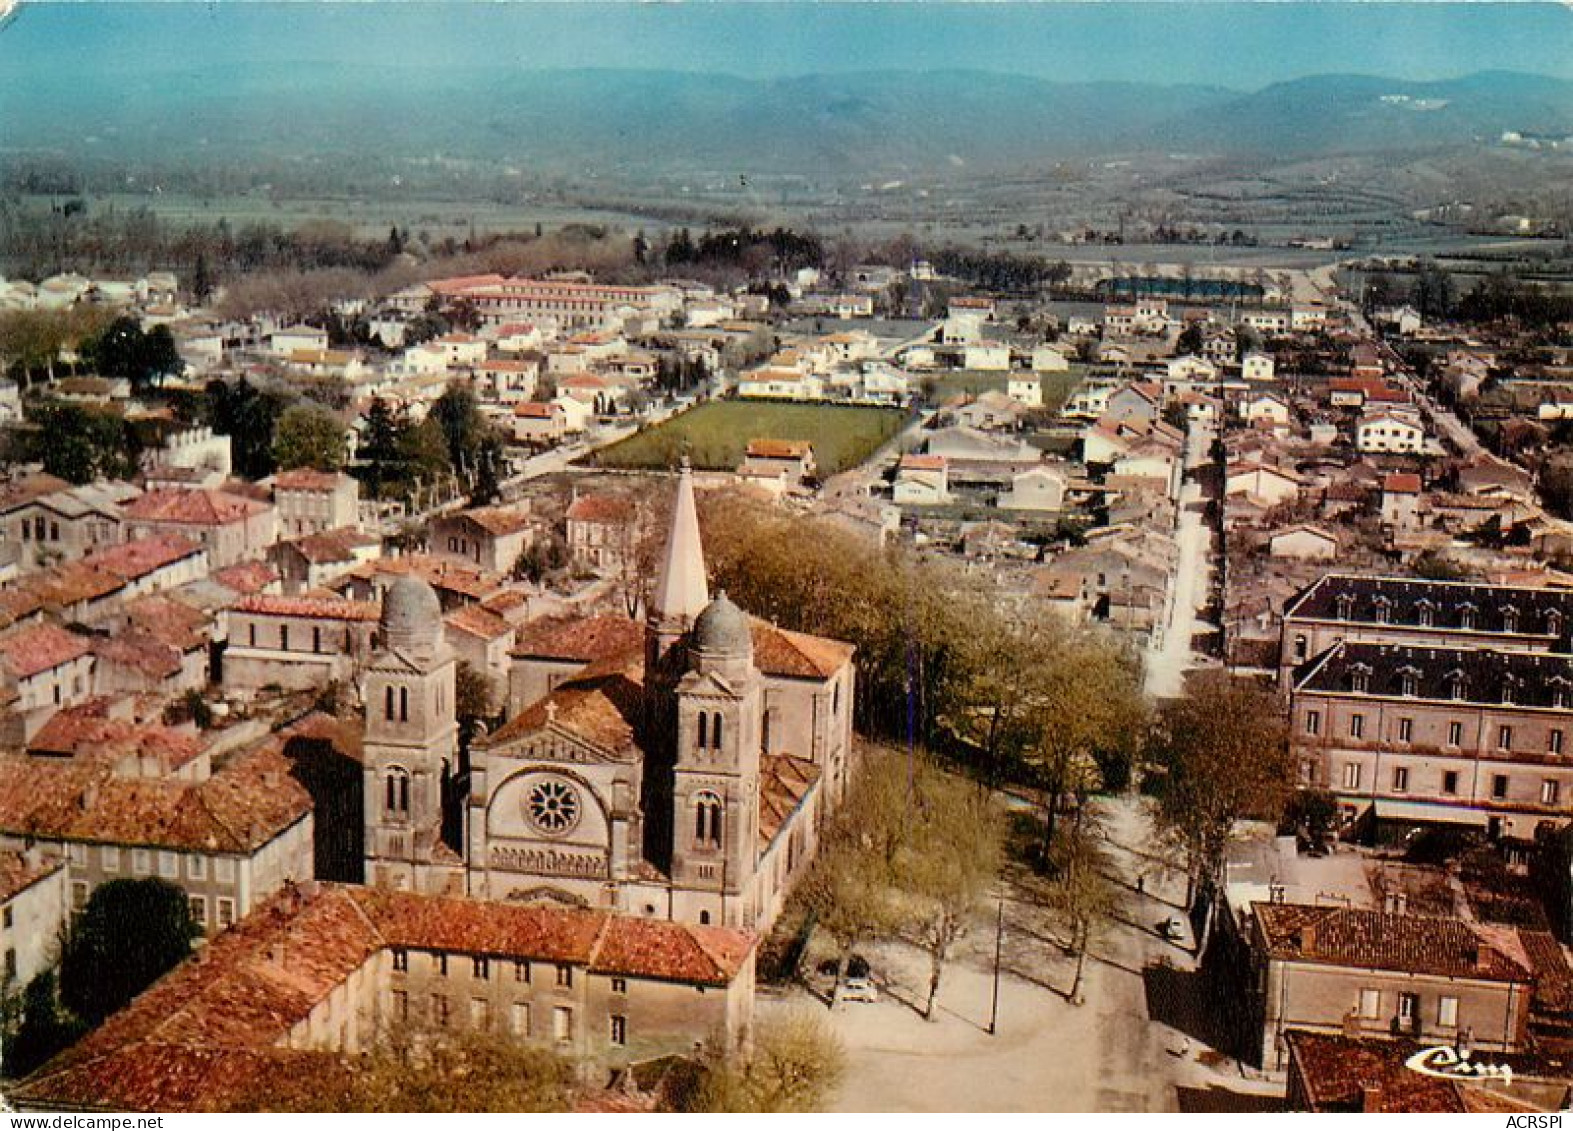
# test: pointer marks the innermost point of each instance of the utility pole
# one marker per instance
(999, 939)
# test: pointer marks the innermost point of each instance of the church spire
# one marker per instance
(680, 590)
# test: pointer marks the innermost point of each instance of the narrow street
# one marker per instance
(1172, 654)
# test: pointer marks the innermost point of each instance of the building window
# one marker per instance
(110, 855)
(1351, 775)
(1313, 722)
(707, 820)
(404, 704)
(1424, 614)
(253, 633)
(168, 865)
(439, 1010)
(521, 1018)
(1356, 726)
(1406, 730)
(1409, 683)
(10, 964)
(397, 789)
(1400, 779)
(79, 895)
(1408, 1008)
(1466, 617)
(224, 869)
(1455, 733)
(619, 1030)
(480, 1013)
(564, 975)
(562, 1023)
(1384, 609)
(1509, 619)
(283, 638)
(1554, 741)
(1359, 680)
(1450, 781)
(1550, 792)
(704, 729)
(387, 703)
(1504, 738)
(619, 985)
(481, 968)
(199, 910)
(1447, 1012)
(8, 917)
(1554, 622)
(1499, 786)
(521, 971)
(1370, 1003)
(316, 638)
(439, 962)
(1346, 604)
(197, 867)
(226, 912)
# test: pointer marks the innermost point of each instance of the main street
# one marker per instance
(1173, 654)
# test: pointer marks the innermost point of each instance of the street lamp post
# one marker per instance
(999, 938)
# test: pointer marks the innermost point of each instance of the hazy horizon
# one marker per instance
(1242, 46)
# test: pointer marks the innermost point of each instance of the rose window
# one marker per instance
(553, 806)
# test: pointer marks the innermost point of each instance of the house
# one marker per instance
(1026, 390)
(1405, 320)
(1401, 500)
(155, 644)
(232, 528)
(44, 520)
(1355, 972)
(1040, 488)
(1390, 432)
(602, 532)
(1338, 1073)
(307, 501)
(35, 906)
(1269, 408)
(539, 423)
(317, 560)
(1305, 542)
(508, 381)
(986, 356)
(484, 640)
(202, 455)
(1134, 401)
(42, 669)
(490, 538)
(461, 351)
(295, 643)
(781, 384)
(1257, 366)
(324, 968)
(1190, 370)
(229, 838)
(921, 480)
(292, 338)
(150, 564)
(991, 409)
(962, 445)
(577, 415)
(1272, 485)
(1048, 359)
(793, 459)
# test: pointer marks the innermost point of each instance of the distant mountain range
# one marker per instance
(826, 126)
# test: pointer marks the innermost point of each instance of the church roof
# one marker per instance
(780, 652)
(587, 639)
(603, 705)
(784, 780)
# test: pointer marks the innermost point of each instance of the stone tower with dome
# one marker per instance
(675, 767)
(410, 744)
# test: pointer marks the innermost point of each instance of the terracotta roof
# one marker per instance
(914, 462)
(602, 508)
(1347, 1074)
(86, 733)
(17, 492)
(333, 545)
(778, 651)
(141, 653)
(192, 507)
(496, 521)
(241, 807)
(603, 705)
(141, 556)
(784, 780)
(204, 1033)
(1372, 940)
(307, 479)
(38, 648)
(19, 871)
(478, 621)
(1402, 483)
(167, 621)
(56, 589)
(246, 577)
(537, 410)
(586, 639)
(441, 574)
(316, 608)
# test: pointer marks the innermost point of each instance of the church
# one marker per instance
(675, 769)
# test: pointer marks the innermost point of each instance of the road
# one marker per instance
(1119, 1051)
(1172, 655)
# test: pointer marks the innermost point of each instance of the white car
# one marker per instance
(859, 989)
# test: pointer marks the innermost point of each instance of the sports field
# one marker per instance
(714, 435)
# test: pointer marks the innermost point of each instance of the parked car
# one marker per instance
(1171, 929)
(859, 989)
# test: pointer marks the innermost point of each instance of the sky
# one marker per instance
(1238, 45)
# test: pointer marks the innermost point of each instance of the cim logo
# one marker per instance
(1449, 1063)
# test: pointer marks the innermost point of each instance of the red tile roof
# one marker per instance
(913, 462)
(315, 608)
(585, 639)
(205, 1032)
(141, 556)
(779, 449)
(38, 648)
(307, 479)
(1402, 483)
(784, 780)
(20, 871)
(479, 622)
(192, 507)
(602, 508)
(1371, 940)
(84, 732)
(246, 577)
(1347, 1074)
(496, 521)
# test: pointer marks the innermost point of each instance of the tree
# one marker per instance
(490, 461)
(201, 280)
(131, 933)
(1223, 749)
(1082, 895)
(309, 435)
(458, 414)
(794, 1065)
(80, 443)
(160, 357)
(249, 416)
(474, 699)
(37, 1028)
(1190, 340)
(380, 455)
(425, 1070)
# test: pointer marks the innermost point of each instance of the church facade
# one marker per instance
(675, 769)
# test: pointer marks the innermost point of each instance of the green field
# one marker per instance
(715, 434)
(1057, 387)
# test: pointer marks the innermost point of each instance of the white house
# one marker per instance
(1306, 542)
(922, 481)
(1257, 366)
(1190, 368)
(988, 356)
(1040, 488)
(1270, 485)
(1028, 389)
(1390, 432)
(1265, 406)
(1049, 359)
(292, 338)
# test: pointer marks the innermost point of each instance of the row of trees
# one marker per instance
(1500, 296)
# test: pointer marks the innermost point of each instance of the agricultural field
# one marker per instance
(714, 435)
(1057, 387)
